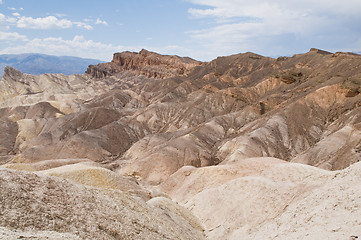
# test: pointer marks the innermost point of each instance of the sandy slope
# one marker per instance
(256, 198)
(35, 202)
(279, 201)
(330, 211)
(10, 234)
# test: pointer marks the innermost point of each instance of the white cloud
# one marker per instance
(44, 23)
(81, 47)
(49, 22)
(83, 25)
(11, 20)
(60, 15)
(7, 20)
(15, 9)
(263, 8)
(265, 26)
(78, 46)
(99, 21)
(12, 36)
(1, 1)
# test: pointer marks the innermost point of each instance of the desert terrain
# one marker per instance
(151, 146)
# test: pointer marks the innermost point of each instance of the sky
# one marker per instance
(201, 29)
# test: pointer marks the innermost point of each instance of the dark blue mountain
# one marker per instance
(33, 63)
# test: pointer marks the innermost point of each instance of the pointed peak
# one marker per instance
(144, 52)
(12, 73)
(319, 51)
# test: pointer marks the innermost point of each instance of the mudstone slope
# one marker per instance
(242, 147)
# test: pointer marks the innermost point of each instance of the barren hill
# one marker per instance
(224, 131)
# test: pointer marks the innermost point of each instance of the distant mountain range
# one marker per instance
(33, 63)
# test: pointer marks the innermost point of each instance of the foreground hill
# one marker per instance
(34, 63)
(37, 203)
(223, 139)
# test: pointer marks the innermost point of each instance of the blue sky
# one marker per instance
(202, 29)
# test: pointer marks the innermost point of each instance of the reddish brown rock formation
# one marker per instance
(145, 63)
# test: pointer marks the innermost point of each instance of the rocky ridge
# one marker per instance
(146, 63)
(210, 136)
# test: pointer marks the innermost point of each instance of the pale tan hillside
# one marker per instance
(277, 200)
(150, 146)
(34, 203)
